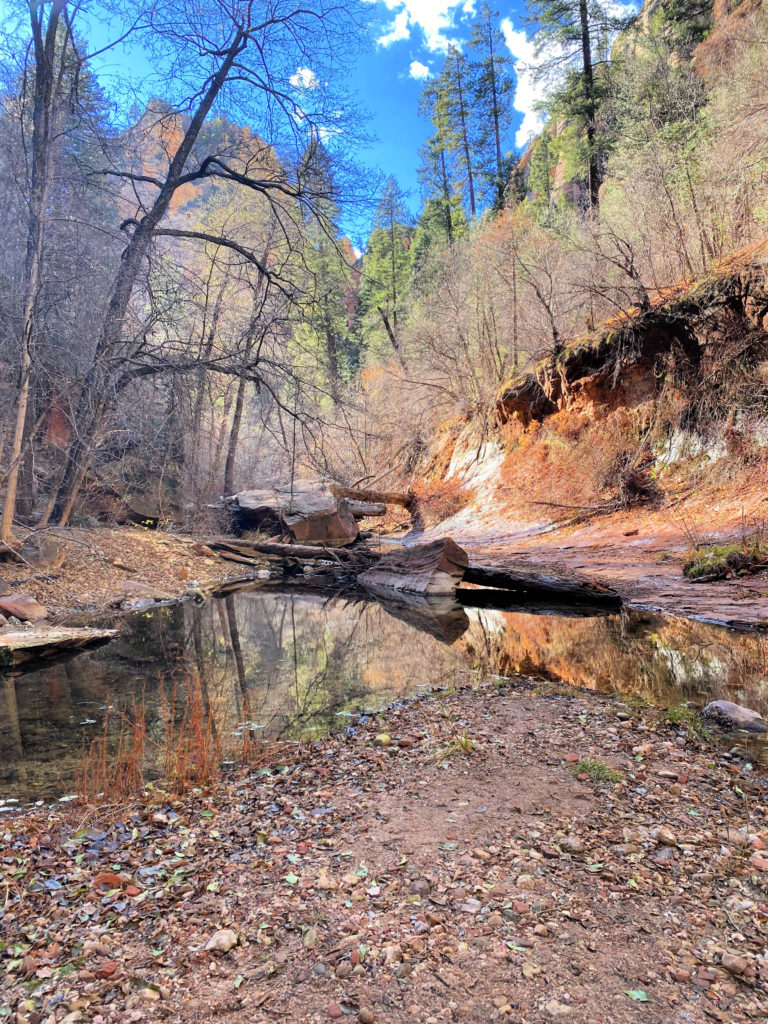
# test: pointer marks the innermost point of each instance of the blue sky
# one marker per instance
(410, 41)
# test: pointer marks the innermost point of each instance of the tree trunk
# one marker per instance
(589, 97)
(95, 394)
(234, 436)
(465, 142)
(496, 127)
(42, 168)
(391, 335)
(446, 195)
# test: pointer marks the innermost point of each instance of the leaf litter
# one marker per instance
(421, 880)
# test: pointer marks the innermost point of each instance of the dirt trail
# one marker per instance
(465, 872)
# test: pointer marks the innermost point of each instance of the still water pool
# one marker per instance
(284, 663)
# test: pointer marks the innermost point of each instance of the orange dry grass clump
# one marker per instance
(112, 768)
(188, 754)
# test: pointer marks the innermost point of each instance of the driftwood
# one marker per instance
(223, 546)
(538, 587)
(374, 497)
(434, 568)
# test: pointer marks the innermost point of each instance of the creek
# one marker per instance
(286, 663)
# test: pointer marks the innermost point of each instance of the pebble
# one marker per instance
(335, 1011)
(222, 941)
(572, 844)
(735, 964)
(556, 1009)
(366, 1015)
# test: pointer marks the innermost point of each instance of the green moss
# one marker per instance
(722, 559)
(598, 771)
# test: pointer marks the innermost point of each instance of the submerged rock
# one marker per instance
(726, 715)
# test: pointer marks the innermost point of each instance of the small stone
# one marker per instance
(222, 941)
(481, 854)
(392, 954)
(541, 930)
(572, 844)
(366, 1015)
(309, 939)
(149, 995)
(420, 886)
(344, 969)
(623, 716)
(335, 1011)
(556, 1009)
(681, 975)
(664, 836)
(526, 882)
(734, 963)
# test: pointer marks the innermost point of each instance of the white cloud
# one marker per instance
(528, 91)
(418, 70)
(398, 30)
(304, 78)
(433, 17)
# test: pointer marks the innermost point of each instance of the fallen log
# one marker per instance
(365, 509)
(374, 497)
(301, 551)
(435, 568)
(542, 588)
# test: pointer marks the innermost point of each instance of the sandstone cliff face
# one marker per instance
(637, 412)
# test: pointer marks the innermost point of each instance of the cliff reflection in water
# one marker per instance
(662, 659)
(290, 665)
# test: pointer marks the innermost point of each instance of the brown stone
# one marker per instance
(43, 551)
(23, 607)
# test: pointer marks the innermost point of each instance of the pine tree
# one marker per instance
(580, 33)
(386, 265)
(492, 88)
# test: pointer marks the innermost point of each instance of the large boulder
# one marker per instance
(23, 607)
(726, 715)
(307, 510)
(43, 551)
(435, 568)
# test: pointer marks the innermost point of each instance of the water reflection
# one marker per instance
(292, 665)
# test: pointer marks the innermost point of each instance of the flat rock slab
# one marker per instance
(21, 645)
(435, 568)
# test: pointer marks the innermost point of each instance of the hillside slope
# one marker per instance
(638, 442)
